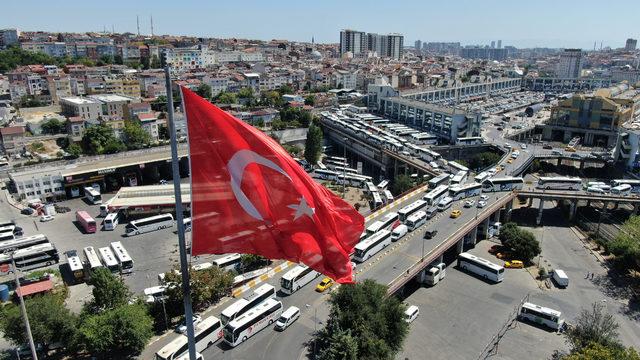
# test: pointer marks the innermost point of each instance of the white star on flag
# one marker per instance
(302, 209)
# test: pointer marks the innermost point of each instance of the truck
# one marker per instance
(560, 277)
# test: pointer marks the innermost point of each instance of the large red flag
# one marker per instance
(249, 196)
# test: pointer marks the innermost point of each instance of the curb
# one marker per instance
(264, 277)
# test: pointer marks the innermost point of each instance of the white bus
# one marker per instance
(23, 242)
(559, 183)
(377, 200)
(244, 327)
(416, 220)
(383, 184)
(149, 224)
(7, 236)
(481, 267)
(456, 167)
(32, 257)
(110, 221)
(541, 315)
(459, 178)
(464, 191)
(434, 196)
(326, 174)
(92, 195)
(410, 209)
(445, 203)
(480, 178)
(296, 278)
(92, 259)
(206, 332)
(335, 158)
(442, 179)
(124, 260)
(75, 266)
(241, 306)
(228, 262)
(502, 184)
(624, 189)
(109, 260)
(385, 222)
(388, 196)
(345, 170)
(370, 187)
(635, 184)
(371, 245)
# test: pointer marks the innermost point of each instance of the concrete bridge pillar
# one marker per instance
(506, 214)
(573, 207)
(582, 164)
(615, 205)
(485, 229)
(635, 209)
(474, 236)
(460, 246)
(559, 161)
(588, 203)
(540, 210)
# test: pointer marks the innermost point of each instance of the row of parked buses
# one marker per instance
(616, 187)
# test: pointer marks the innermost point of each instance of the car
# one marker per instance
(27, 211)
(182, 328)
(495, 249)
(455, 214)
(509, 161)
(430, 234)
(484, 197)
(547, 147)
(326, 283)
(523, 146)
(576, 156)
(515, 155)
(556, 152)
(513, 264)
(45, 218)
(499, 128)
(481, 203)
(469, 203)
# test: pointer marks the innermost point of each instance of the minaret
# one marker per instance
(138, 24)
(151, 25)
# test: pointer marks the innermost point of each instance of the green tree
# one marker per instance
(250, 262)
(279, 125)
(595, 351)
(135, 136)
(204, 90)
(271, 98)
(52, 126)
(522, 242)
(285, 89)
(226, 98)
(117, 333)
(310, 100)
(109, 292)
(96, 138)
(14, 56)
(363, 313)
(313, 144)
(207, 287)
(483, 160)
(29, 101)
(341, 346)
(155, 62)
(113, 146)
(626, 245)
(305, 118)
(50, 321)
(118, 59)
(74, 150)
(401, 183)
(593, 326)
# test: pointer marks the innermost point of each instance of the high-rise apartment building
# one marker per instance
(631, 44)
(417, 45)
(570, 64)
(359, 43)
(493, 44)
(499, 44)
(395, 46)
(353, 41)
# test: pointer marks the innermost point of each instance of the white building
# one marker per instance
(570, 64)
(38, 184)
(218, 84)
(345, 79)
(353, 41)
(112, 105)
(87, 109)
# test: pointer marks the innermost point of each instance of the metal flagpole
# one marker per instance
(23, 308)
(186, 288)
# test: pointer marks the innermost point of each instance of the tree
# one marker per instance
(250, 262)
(96, 138)
(29, 101)
(74, 150)
(118, 59)
(207, 287)
(362, 313)
(109, 292)
(522, 242)
(593, 326)
(271, 98)
(595, 351)
(626, 245)
(145, 62)
(135, 136)
(313, 145)
(113, 146)
(401, 183)
(305, 118)
(285, 89)
(226, 98)
(483, 160)
(310, 100)
(204, 90)
(50, 321)
(117, 333)
(52, 126)
(155, 62)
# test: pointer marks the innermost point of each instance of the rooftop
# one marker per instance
(78, 100)
(106, 98)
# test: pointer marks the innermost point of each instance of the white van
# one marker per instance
(400, 231)
(411, 313)
(287, 318)
(561, 278)
(431, 212)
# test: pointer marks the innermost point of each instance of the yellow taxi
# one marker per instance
(324, 284)
(455, 213)
(509, 161)
(513, 264)
(570, 149)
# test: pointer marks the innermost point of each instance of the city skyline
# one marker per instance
(479, 25)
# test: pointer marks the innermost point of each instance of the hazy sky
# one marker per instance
(557, 23)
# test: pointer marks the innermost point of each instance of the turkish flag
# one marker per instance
(249, 196)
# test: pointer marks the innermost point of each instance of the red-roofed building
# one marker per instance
(12, 137)
(35, 288)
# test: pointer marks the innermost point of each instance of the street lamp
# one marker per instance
(23, 309)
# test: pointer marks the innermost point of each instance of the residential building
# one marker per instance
(483, 53)
(112, 105)
(499, 44)
(570, 64)
(12, 137)
(149, 122)
(417, 45)
(75, 127)
(395, 46)
(85, 108)
(631, 44)
(9, 37)
(353, 41)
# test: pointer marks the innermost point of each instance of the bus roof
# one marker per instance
(547, 310)
(291, 274)
(120, 252)
(74, 263)
(246, 317)
(371, 239)
(107, 256)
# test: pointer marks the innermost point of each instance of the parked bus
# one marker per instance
(480, 178)
(459, 178)
(228, 262)
(385, 222)
(434, 196)
(86, 221)
(335, 158)
(124, 260)
(624, 189)
(388, 196)
(442, 179)
(410, 209)
(371, 245)
(481, 267)
(92, 259)
(383, 184)
(541, 315)
(345, 170)
(241, 306)
(32, 257)
(110, 221)
(75, 265)
(149, 224)
(416, 220)
(5, 223)
(23, 242)
(445, 203)
(109, 260)
(470, 140)
(7, 236)
(206, 332)
(635, 184)
(502, 184)
(249, 324)
(92, 195)
(376, 200)
(456, 167)
(296, 278)
(464, 191)
(559, 183)
(321, 166)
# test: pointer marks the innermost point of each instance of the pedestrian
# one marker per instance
(591, 276)
(586, 276)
